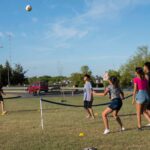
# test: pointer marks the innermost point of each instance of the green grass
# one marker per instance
(21, 130)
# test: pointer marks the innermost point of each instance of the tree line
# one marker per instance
(12, 75)
(125, 73)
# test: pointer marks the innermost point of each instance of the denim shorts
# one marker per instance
(115, 104)
(142, 97)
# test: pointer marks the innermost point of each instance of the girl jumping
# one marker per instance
(116, 95)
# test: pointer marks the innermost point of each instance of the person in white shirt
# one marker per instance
(88, 97)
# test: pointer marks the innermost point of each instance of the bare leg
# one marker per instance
(145, 112)
(117, 118)
(104, 116)
(88, 113)
(146, 116)
(91, 113)
(2, 106)
(148, 112)
(138, 110)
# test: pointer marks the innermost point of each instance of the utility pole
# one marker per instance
(1, 46)
(10, 39)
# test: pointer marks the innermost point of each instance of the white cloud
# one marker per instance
(87, 22)
(34, 20)
(1, 34)
(62, 31)
(10, 34)
(106, 8)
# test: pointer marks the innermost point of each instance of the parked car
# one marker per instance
(37, 87)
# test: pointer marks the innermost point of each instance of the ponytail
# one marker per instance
(140, 72)
(115, 82)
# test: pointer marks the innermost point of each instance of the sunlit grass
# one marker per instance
(21, 130)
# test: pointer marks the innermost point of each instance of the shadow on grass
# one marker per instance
(131, 129)
(125, 115)
(33, 110)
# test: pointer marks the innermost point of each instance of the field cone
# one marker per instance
(81, 134)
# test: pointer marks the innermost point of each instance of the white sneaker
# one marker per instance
(106, 131)
(123, 129)
(148, 125)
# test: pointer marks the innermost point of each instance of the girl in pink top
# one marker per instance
(140, 94)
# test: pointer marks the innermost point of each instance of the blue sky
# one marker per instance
(59, 36)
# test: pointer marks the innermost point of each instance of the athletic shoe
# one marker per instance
(4, 113)
(148, 125)
(122, 129)
(106, 131)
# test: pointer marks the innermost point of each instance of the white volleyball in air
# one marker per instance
(28, 8)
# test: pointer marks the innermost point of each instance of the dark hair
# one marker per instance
(114, 80)
(147, 64)
(88, 76)
(140, 72)
(1, 86)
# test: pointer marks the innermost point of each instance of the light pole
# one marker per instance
(0, 68)
(1, 46)
(10, 39)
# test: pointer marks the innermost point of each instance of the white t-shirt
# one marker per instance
(88, 92)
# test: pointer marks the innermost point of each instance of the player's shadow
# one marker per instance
(131, 129)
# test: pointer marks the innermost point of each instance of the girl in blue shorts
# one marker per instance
(140, 95)
(116, 95)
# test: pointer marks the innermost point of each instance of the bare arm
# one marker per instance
(121, 94)
(147, 77)
(101, 94)
(134, 93)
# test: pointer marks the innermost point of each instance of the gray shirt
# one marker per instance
(114, 92)
(88, 92)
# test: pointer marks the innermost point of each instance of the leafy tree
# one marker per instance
(16, 75)
(127, 70)
(86, 70)
(77, 79)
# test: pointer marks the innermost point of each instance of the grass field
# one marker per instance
(21, 130)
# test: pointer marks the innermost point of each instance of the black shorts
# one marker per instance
(115, 104)
(1, 99)
(88, 104)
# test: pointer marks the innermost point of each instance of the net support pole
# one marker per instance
(41, 110)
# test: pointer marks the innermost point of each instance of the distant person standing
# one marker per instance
(88, 96)
(2, 100)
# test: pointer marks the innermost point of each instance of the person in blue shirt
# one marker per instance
(88, 96)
